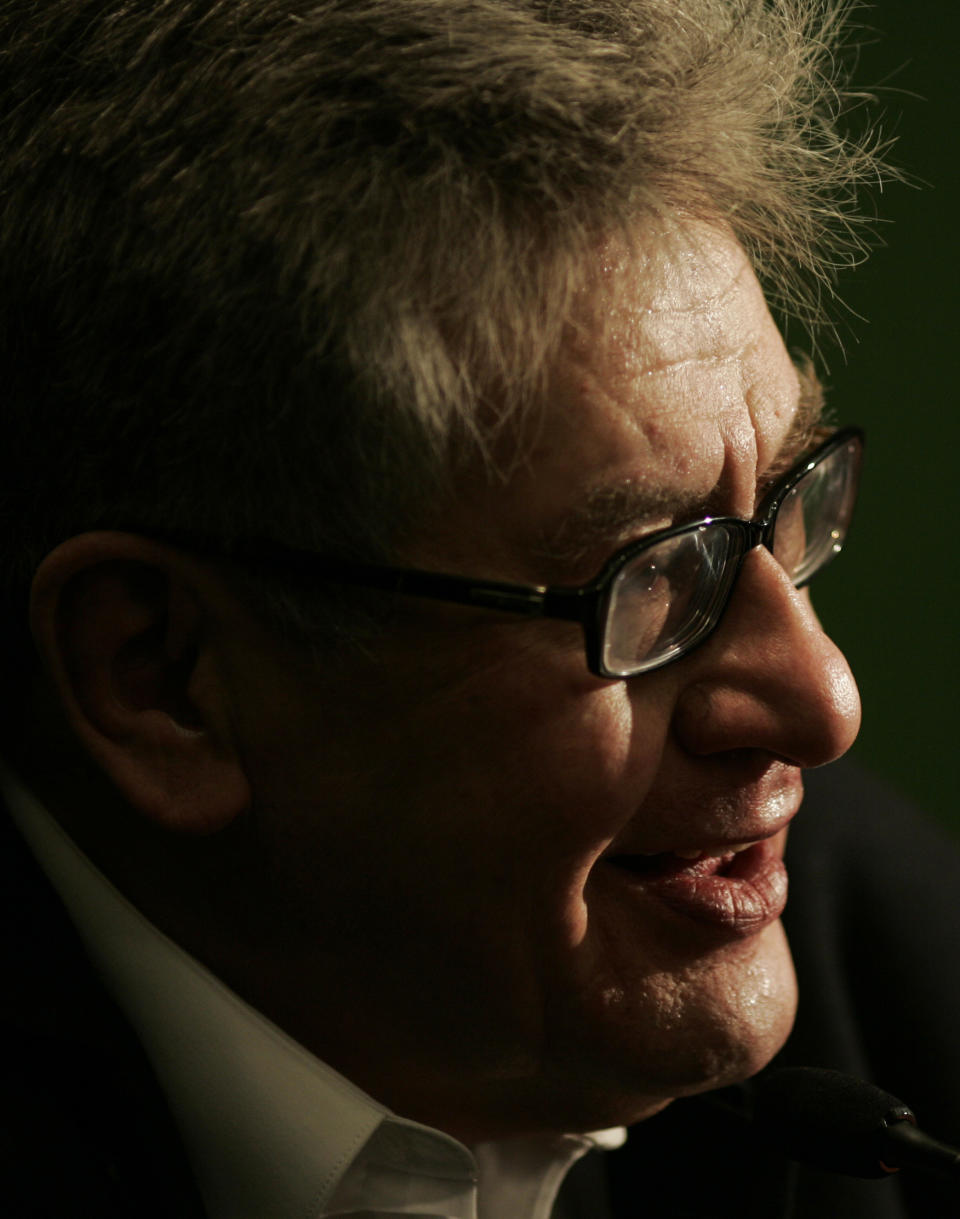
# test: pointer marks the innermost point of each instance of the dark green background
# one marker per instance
(892, 601)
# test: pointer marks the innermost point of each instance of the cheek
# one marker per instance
(473, 813)
(575, 762)
(563, 778)
(504, 798)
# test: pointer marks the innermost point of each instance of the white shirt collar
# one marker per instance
(269, 1128)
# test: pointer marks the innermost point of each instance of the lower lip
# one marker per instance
(746, 893)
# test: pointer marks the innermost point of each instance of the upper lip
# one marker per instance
(751, 823)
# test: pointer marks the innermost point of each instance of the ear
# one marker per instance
(123, 627)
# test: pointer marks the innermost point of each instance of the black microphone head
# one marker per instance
(826, 1119)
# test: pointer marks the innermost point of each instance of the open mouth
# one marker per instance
(688, 863)
(737, 889)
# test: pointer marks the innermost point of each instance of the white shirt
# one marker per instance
(271, 1131)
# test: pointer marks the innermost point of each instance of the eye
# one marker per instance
(790, 541)
(654, 597)
(813, 519)
(644, 601)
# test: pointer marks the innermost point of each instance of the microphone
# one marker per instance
(845, 1125)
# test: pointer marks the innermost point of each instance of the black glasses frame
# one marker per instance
(586, 604)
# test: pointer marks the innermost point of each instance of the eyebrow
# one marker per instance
(809, 424)
(608, 512)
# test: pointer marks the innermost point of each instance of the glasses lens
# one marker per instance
(814, 517)
(668, 597)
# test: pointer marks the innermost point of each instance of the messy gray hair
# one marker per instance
(269, 264)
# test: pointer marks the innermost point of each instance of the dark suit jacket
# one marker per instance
(874, 919)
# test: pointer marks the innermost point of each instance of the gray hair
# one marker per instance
(269, 266)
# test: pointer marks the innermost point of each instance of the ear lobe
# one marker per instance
(118, 621)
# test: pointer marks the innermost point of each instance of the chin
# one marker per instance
(714, 1023)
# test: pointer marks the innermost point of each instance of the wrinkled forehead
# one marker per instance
(671, 397)
(678, 336)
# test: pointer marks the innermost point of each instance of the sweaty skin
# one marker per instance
(432, 907)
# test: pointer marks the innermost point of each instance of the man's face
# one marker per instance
(460, 826)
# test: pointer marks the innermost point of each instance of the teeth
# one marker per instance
(717, 853)
(735, 849)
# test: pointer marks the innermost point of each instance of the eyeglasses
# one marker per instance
(655, 599)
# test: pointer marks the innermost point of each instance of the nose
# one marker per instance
(769, 678)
